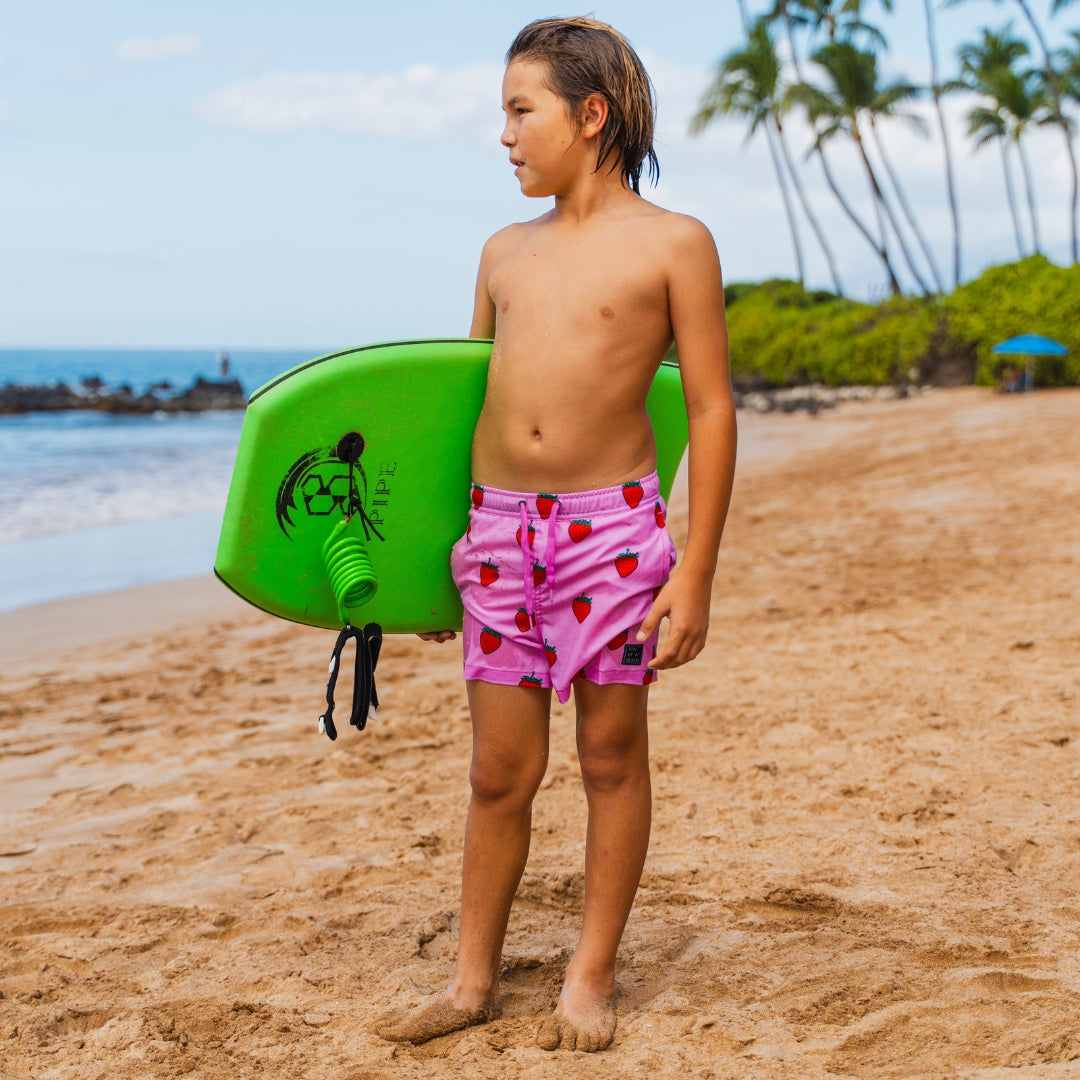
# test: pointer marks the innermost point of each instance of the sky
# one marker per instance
(321, 174)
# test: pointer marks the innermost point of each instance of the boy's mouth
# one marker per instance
(516, 162)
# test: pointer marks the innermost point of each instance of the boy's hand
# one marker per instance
(438, 635)
(685, 603)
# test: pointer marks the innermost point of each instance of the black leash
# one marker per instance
(365, 697)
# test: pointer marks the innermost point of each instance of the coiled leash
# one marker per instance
(365, 698)
(353, 582)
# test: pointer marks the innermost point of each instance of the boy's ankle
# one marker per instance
(471, 996)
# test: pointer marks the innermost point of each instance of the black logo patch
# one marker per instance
(632, 655)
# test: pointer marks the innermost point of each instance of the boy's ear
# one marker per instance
(594, 114)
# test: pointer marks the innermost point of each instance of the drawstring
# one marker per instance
(526, 559)
(527, 556)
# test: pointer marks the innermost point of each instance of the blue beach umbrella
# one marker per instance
(1029, 346)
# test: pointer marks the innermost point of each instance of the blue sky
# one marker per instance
(322, 174)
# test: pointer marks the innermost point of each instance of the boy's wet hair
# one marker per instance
(584, 57)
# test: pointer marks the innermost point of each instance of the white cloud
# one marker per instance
(141, 50)
(422, 102)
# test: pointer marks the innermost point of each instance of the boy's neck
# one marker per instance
(596, 193)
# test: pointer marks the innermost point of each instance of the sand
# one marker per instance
(866, 844)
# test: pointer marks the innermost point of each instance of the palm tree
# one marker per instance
(936, 90)
(841, 18)
(1053, 84)
(854, 95)
(745, 85)
(1017, 99)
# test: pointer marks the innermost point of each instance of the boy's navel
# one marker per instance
(607, 313)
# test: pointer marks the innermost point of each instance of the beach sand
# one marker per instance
(866, 844)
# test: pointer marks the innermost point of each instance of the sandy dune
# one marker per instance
(866, 850)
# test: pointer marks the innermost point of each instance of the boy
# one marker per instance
(583, 303)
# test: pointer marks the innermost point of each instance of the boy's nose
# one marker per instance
(506, 138)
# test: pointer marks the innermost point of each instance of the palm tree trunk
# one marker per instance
(1030, 188)
(792, 223)
(905, 207)
(882, 254)
(789, 29)
(796, 183)
(883, 202)
(1011, 195)
(932, 43)
(1055, 93)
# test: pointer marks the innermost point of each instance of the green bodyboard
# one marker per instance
(414, 406)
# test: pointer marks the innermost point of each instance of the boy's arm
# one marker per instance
(483, 326)
(483, 319)
(696, 304)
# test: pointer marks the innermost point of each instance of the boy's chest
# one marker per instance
(576, 279)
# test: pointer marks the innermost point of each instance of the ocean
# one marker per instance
(91, 502)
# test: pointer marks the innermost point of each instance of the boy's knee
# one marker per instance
(499, 780)
(609, 768)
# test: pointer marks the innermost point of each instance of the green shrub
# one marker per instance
(782, 334)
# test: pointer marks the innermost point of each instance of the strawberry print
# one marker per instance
(490, 640)
(522, 620)
(531, 680)
(632, 493)
(626, 563)
(619, 641)
(477, 496)
(578, 530)
(468, 531)
(550, 652)
(648, 677)
(539, 575)
(544, 503)
(581, 606)
(489, 573)
(532, 536)
(658, 512)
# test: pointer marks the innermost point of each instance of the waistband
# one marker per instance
(597, 501)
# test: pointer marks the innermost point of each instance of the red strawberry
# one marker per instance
(581, 605)
(531, 680)
(618, 642)
(490, 639)
(550, 651)
(489, 573)
(532, 535)
(544, 503)
(477, 496)
(632, 493)
(626, 563)
(658, 510)
(648, 677)
(522, 620)
(539, 575)
(468, 531)
(579, 530)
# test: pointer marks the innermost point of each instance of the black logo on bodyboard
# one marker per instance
(320, 484)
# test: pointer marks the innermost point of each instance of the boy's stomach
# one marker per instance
(533, 449)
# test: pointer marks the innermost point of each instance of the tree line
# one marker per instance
(820, 60)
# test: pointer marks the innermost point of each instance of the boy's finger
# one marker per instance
(651, 621)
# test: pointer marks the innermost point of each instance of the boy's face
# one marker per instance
(544, 146)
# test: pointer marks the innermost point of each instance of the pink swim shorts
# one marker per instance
(555, 587)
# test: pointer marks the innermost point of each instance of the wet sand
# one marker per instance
(866, 840)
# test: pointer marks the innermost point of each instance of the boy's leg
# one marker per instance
(510, 752)
(613, 749)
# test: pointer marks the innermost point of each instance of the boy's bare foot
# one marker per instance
(582, 1021)
(435, 1017)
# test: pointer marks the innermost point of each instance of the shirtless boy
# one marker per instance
(582, 302)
